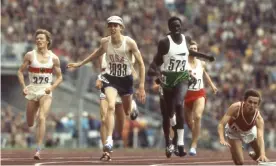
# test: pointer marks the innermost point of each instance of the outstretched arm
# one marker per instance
(98, 52)
(201, 55)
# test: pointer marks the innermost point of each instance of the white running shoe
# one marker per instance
(192, 152)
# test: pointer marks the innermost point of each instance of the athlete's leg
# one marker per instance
(236, 151)
(166, 122)
(32, 108)
(44, 108)
(103, 111)
(256, 148)
(188, 114)
(166, 127)
(180, 92)
(120, 119)
(198, 108)
(127, 103)
(111, 94)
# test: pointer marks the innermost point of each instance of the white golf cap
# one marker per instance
(115, 19)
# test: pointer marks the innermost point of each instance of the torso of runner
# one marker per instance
(41, 73)
(175, 64)
(241, 124)
(177, 57)
(118, 60)
(197, 72)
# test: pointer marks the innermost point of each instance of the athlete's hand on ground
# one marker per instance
(48, 90)
(25, 91)
(73, 65)
(262, 158)
(225, 143)
(141, 95)
(99, 84)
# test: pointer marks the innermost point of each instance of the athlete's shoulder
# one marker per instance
(54, 56)
(29, 54)
(129, 40)
(235, 106)
(165, 40)
(187, 38)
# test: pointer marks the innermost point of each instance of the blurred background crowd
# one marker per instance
(241, 34)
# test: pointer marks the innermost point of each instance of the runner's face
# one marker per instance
(175, 27)
(252, 103)
(193, 47)
(41, 41)
(114, 28)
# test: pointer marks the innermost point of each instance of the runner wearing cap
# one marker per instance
(118, 79)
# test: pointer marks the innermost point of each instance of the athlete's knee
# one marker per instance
(111, 107)
(190, 124)
(198, 117)
(41, 118)
(103, 120)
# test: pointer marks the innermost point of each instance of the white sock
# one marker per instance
(180, 137)
(109, 140)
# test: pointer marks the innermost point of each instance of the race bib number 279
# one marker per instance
(40, 80)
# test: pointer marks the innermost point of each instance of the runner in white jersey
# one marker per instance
(195, 97)
(119, 111)
(41, 63)
(173, 54)
(119, 81)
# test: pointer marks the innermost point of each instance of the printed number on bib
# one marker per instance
(40, 80)
(177, 65)
(117, 69)
(195, 84)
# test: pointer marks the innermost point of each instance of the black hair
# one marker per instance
(173, 19)
(254, 93)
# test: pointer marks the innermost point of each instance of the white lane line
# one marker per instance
(113, 157)
(60, 162)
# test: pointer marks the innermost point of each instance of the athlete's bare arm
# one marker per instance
(201, 55)
(23, 67)
(58, 73)
(135, 51)
(227, 116)
(260, 137)
(140, 93)
(163, 49)
(209, 80)
(98, 52)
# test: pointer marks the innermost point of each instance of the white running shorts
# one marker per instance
(245, 137)
(35, 92)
